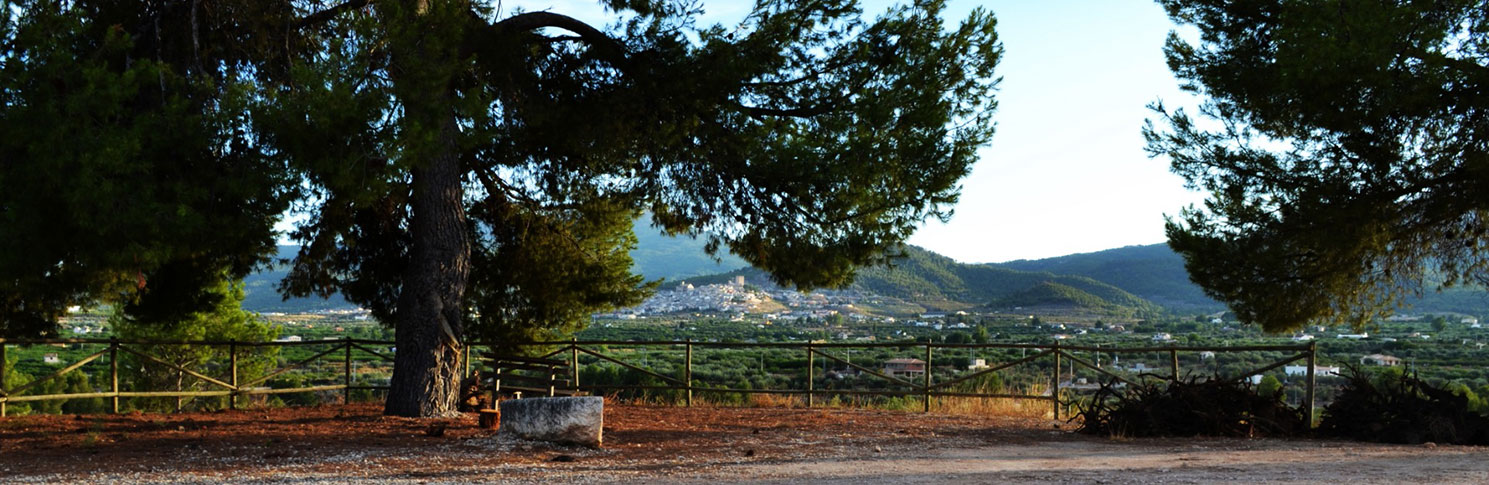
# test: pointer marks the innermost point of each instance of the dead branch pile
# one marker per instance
(1213, 407)
(1402, 409)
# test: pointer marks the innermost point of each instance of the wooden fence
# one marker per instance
(926, 388)
(225, 384)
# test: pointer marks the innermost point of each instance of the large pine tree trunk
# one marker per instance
(426, 369)
(428, 320)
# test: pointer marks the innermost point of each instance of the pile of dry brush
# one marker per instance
(1402, 409)
(1391, 409)
(1212, 407)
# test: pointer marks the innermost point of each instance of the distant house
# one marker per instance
(1162, 337)
(291, 338)
(51, 358)
(1302, 370)
(1354, 336)
(904, 367)
(1380, 359)
(977, 364)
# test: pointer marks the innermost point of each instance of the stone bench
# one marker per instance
(567, 420)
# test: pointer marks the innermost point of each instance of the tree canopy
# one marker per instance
(469, 173)
(126, 168)
(1345, 147)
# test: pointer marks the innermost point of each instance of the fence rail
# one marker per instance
(226, 385)
(925, 387)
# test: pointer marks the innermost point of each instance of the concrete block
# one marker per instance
(568, 420)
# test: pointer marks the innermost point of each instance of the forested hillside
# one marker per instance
(938, 282)
(1153, 272)
(1133, 279)
(660, 256)
(1156, 273)
(260, 293)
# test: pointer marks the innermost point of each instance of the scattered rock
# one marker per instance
(436, 430)
(749, 452)
(562, 459)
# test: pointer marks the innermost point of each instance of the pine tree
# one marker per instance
(1343, 145)
(473, 175)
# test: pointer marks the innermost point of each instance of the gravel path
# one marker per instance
(336, 444)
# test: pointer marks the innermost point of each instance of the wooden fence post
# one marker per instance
(927, 390)
(811, 376)
(1308, 398)
(232, 357)
(2, 377)
(552, 380)
(1055, 383)
(346, 389)
(687, 373)
(1173, 355)
(574, 362)
(114, 373)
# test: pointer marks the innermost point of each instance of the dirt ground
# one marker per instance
(341, 444)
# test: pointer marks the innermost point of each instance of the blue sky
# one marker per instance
(1066, 172)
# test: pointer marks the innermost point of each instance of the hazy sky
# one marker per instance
(1066, 171)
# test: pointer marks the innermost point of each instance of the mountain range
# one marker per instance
(1130, 281)
(1126, 281)
(260, 293)
(937, 283)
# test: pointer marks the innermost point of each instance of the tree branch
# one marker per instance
(803, 112)
(327, 14)
(607, 47)
(810, 75)
(494, 186)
